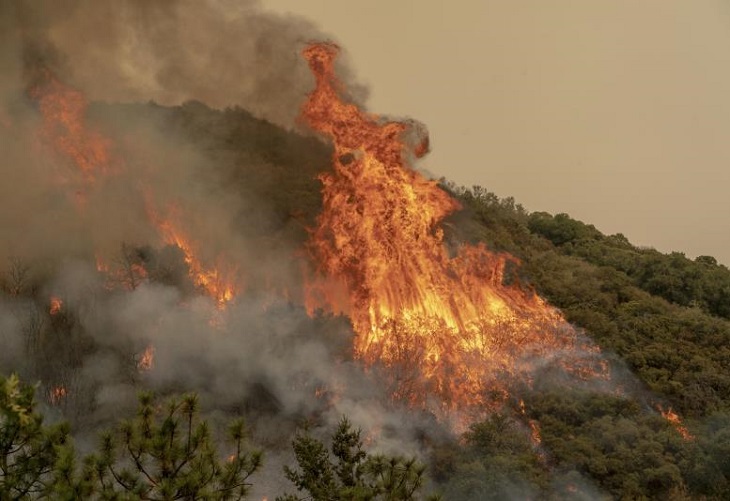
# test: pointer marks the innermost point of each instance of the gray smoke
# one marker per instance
(221, 52)
(260, 357)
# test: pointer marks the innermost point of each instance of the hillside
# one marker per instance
(661, 321)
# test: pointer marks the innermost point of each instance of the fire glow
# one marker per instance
(443, 322)
(64, 127)
(56, 305)
(449, 322)
(214, 282)
(676, 422)
(63, 109)
(147, 359)
(57, 394)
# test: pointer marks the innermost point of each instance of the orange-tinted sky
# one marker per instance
(614, 111)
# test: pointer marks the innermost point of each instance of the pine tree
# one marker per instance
(32, 455)
(169, 455)
(352, 474)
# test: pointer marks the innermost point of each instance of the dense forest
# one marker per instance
(662, 322)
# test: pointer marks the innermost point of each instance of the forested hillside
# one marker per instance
(660, 314)
(662, 322)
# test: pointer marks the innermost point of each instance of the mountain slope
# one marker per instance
(661, 320)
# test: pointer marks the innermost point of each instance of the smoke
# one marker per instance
(222, 53)
(269, 362)
(261, 357)
(60, 224)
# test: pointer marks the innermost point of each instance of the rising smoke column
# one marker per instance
(220, 52)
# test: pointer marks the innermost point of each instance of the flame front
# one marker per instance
(65, 128)
(676, 422)
(147, 359)
(55, 306)
(443, 321)
(63, 109)
(57, 394)
(218, 282)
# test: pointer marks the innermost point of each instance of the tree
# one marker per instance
(498, 461)
(31, 454)
(353, 474)
(561, 228)
(170, 455)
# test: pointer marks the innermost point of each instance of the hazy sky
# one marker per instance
(614, 111)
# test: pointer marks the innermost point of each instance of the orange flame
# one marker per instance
(218, 282)
(56, 305)
(535, 436)
(101, 265)
(64, 126)
(382, 260)
(57, 394)
(127, 274)
(674, 419)
(147, 360)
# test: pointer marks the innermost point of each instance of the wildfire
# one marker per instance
(442, 319)
(126, 273)
(56, 305)
(217, 283)
(674, 419)
(57, 394)
(64, 126)
(535, 435)
(147, 359)
(101, 265)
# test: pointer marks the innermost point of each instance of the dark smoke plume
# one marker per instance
(221, 52)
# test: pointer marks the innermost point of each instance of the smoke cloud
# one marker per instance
(223, 53)
(262, 357)
(60, 226)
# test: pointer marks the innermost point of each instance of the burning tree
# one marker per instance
(94, 159)
(382, 259)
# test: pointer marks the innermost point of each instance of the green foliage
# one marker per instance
(701, 283)
(561, 229)
(665, 316)
(629, 453)
(31, 454)
(499, 462)
(486, 217)
(170, 455)
(680, 353)
(350, 473)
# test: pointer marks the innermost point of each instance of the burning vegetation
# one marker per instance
(450, 323)
(290, 279)
(65, 128)
(56, 305)
(676, 422)
(457, 317)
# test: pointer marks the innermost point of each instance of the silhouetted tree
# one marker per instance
(169, 454)
(30, 452)
(352, 474)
